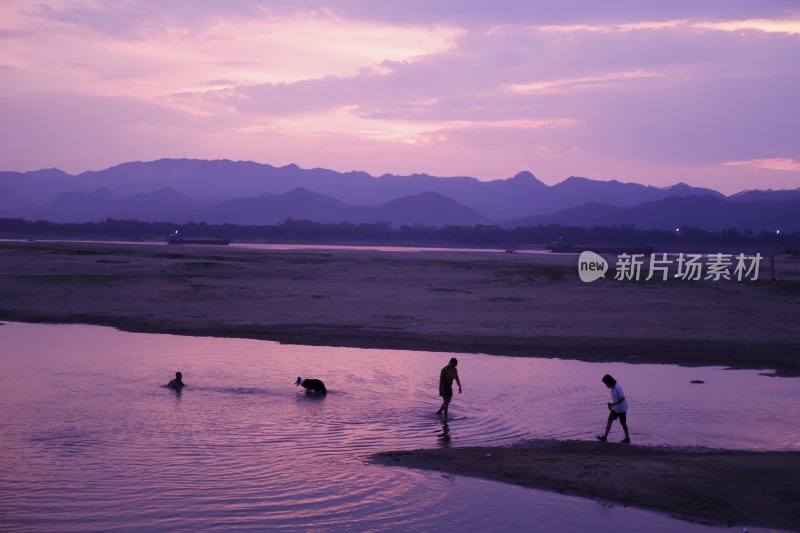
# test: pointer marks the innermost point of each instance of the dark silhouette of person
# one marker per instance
(617, 407)
(177, 383)
(446, 377)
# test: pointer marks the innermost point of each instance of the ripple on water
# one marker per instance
(242, 447)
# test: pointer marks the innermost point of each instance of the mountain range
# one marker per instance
(243, 192)
(704, 211)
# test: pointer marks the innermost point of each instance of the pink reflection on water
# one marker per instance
(88, 432)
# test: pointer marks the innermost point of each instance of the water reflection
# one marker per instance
(246, 449)
(444, 436)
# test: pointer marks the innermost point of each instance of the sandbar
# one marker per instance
(473, 302)
(718, 487)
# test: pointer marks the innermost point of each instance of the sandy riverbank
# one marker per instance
(710, 486)
(495, 303)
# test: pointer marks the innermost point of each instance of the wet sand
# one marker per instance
(475, 302)
(716, 487)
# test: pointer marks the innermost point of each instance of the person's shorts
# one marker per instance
(623, 416)
(446, 392)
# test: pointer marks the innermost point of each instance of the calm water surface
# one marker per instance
(90, 440)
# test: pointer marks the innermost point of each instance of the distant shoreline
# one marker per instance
(481, 235)
(718, 487)
(473, 302)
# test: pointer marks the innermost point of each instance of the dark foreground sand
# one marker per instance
(709, 486)
(494, 303)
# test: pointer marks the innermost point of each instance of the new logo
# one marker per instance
(591, 266)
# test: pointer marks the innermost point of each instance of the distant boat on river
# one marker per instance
(178, 238)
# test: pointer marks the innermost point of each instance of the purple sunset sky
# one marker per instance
(706, 92)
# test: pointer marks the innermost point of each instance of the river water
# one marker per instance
(91, 440)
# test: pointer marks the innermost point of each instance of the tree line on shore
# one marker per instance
(490, 236)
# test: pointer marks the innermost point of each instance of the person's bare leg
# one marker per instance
(445, 406)
(625, 428)
(608, 429)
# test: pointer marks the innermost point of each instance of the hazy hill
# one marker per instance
(165, 204)
(428, 208)
(707, 212)
(767, 195)
(268, 208)
(76, 207)
(575, 191)
(168, 205)
(19, 189)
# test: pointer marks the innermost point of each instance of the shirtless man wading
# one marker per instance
(449, 373)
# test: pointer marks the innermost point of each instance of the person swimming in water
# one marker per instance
(177, 383)
(446, 377)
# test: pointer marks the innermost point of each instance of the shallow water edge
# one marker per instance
(775, 359)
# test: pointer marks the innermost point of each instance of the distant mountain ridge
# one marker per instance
(520, 195)
(269, 208)
(706, 212)
(245, 192)
(168, 205)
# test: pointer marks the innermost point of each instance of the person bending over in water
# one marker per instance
(176, 383)
(618, 408)
(448, 374)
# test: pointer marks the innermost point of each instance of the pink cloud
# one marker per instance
(779, 163)
(641, 91)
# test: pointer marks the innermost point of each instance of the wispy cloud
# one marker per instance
(778, 163)
(588, 82)
(790, 26)
(765, 25)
